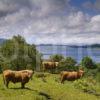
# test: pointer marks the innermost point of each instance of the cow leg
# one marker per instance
(43, 68)
(52, 70)
(62, 79)
(7, 83)
(22, 85)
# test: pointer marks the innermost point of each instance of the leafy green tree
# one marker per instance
(56, 57)
(88, 63)
(68, 64)
(18, 54)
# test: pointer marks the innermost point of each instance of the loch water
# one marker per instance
(77, 52)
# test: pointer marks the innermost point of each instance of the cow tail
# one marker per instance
(3, 79)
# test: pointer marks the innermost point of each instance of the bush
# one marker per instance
(40, 75)
(91, 72)
(88, 85)
(56, 57)
(98, 67)
(88, 63)
(68, 64)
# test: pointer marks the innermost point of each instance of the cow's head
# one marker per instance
(30, 73)
(80, 72)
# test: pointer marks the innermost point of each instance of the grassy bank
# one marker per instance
(44, 89)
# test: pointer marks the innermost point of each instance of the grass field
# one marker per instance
(39, 89)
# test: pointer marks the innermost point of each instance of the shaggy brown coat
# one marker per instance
(70, 76)
(22, 76)
(47, 65)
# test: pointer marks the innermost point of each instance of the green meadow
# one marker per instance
(46, 88)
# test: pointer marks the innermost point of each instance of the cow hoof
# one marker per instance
(22, 87)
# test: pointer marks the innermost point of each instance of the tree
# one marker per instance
(17, 54)
(88, 63)
(56, 57)
(68, 64)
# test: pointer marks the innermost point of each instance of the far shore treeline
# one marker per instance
(17, 54)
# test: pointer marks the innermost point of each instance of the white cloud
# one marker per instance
(47, 24)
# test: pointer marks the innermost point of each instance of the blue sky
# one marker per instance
(51, 21)
(80, 5)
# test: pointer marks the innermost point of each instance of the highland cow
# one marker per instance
(71, 76)
(22, 76)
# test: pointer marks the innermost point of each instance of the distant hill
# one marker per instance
(2, 40)
(83, 46)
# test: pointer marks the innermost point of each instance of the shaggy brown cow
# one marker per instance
(70, 76)
(22, 76)
(48, 65)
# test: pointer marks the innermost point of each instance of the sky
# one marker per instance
(51, 21)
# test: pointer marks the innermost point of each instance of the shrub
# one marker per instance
(88, 63)
(40, 75)
(98, 67)
(88, 85)
(68, 64)
(56, 57)
(91, 72)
